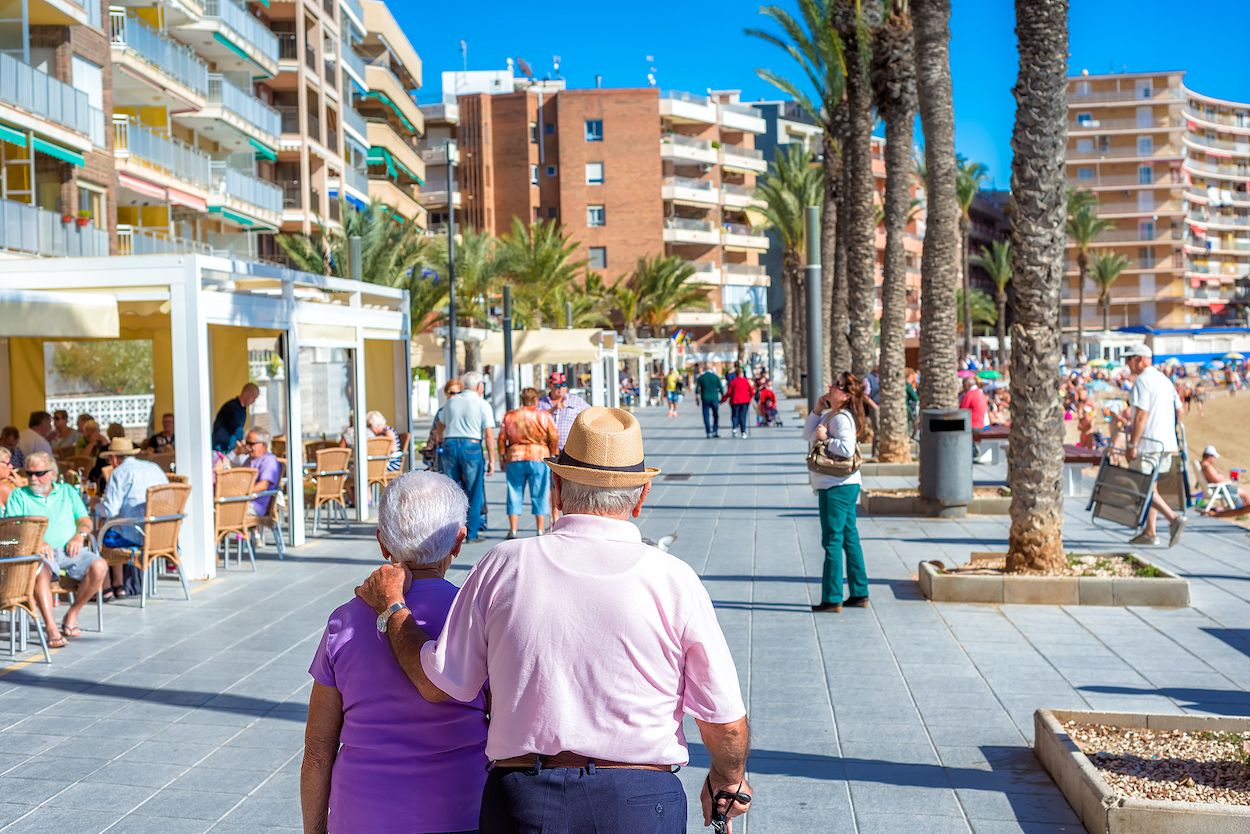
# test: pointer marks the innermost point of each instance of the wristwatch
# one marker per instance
(386, 615)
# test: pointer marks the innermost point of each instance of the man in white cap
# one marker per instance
(1152, 436)
(1218, 483)
(595, 645)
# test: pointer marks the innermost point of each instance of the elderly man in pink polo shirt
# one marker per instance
(595, 645)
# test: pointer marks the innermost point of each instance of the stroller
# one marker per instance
(769, 416)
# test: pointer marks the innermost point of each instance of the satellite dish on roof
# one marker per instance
(525, 68)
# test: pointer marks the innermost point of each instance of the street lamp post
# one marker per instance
(815, 350)
(509, 384)
(451, 259)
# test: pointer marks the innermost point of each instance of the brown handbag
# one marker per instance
(822, 463)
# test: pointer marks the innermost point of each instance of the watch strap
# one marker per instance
(385, 617)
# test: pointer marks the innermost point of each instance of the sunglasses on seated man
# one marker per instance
(38, 473)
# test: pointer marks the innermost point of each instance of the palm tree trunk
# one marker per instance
(1106, 312)
(1082, 264)
(894, 82)
(472, 355)
(967, 282)
(1000, 330)
(1038, 143)
(861, 228)
(789, 343)
(828, 246)
(840, 348)
(939, 264)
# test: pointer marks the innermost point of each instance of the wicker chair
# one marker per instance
(405, 448)
(20, 537)
(230, 498)
(278, 446)
(159, 527)
(165, 460)
(329, 481)
(376, 478)
(272, 519)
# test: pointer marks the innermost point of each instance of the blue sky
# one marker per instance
(697, 44)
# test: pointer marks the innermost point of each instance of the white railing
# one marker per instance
(132, 241)
(738, 150)
(1242, 147)
(745, 269)
(247, 187)
(689, 182)
(169, 56)
(39, 93)
(1163, 96)
(353, 119)
(247, 27)
(243, 104)
(1164, 151)
(1239, 120)
(744, 109)
(740, 229)
(687, 224)
(357, 179)
(131, 410)
(739, 190)
(26, 228)
(685, 141)
(678, 95)
(173, 157)
(1241, 171)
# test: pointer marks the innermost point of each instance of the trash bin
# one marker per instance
(946, 461)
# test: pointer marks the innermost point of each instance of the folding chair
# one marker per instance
(20, 537)
(159, 528)
(1122, 492)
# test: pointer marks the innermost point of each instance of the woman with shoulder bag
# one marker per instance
(833, 432)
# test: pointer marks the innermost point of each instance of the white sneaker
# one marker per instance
(1150, 541)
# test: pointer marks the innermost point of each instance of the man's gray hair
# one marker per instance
(261, 435)
(471, 380)
(419, 517)
(48, 462)
(595, 500)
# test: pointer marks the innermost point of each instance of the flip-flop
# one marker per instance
(70, 631)
(57, 642)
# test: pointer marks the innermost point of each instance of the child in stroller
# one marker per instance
(767, 406)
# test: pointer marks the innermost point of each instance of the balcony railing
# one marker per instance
(742, 229)
(314, 201)
(37, 92)
(738, 150)
(740, 190)
(1221, 219)
(755, 270)
(353, 119)
(353, 60)
(1115, 180)
(310, 56)
(687, 224)
(744, 109)
(1240, 171)
(1126, 153)
(175, 59)
(678, 95)
(1230, 119)
(288, 46)
(314, 126)
(328, 6)
(356, 8)
(292, 195)
(1242, 147)
(331, 74)
(356, 179)
(289, 114)
(1137, 208)
(1134, 235)
(688, 182)
(35, 231)
(332, 139)
(685, 141)
(1223, 197)
(243, 104)
(248, 28)
(247, 187)
(1163, 96)
(175, 158)
(1123, 124)
(132, 241)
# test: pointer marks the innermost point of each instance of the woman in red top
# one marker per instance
(739, 393)
(526, 436)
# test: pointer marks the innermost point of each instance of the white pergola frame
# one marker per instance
(207, 290)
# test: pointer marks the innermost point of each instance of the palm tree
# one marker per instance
(995, 259)
(939, 263)
(538, 259)
(894, 86)
(742, 325)
(478, 282)
(856, 22)
(1035, 456)
(968, 179)
(588, 302)
(1084, 225)
(1107, 268)
(791, 184)
(984, 312)
(817, 49)
(664, 283)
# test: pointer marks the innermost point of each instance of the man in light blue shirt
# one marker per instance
(126, 496)
(467, 422)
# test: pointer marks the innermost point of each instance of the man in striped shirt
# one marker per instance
(564, 407)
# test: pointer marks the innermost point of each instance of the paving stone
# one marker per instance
(201, 804)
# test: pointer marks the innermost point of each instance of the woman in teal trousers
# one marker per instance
(838, 422)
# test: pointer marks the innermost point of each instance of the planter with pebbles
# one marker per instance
(878, 469)
(985, 501)
(1091, 579)
(1137, 773)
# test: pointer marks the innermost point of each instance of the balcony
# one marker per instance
(1125, 153)
(382, 27)
(446, 111)
(683, 230)
(436, 197)
(1239, 172)
(1203, 143)
(357, 180)
(400, 199)
(687, 107)
(1135, 236)
(132, 241)
(1134, 124)
(384, 142)
(331, 76)
(288, 46)
(1123, 181)
(1215, 221)
(687, 190)
(705, 273)
(148, 52)
(288, 115)
(354, 122)
(1238, 121)
(737, 158)
(738, 236)
(677, 148)
(739, 196)
(34, 231)
(1213, 196)
(151, 152)
(292, 196)
(436, 155)
(353, 64)
(63, 13)
(242, 197)
(751, 275)
(742, 117)
(235, 118)
(1133, 209)
(386, 88)
(1163, 96)
(355, 11)
(33, 100)
(233, 39)
(310, 56)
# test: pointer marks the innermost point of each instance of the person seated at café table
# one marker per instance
(378, 757)
(91, 442)
(163, 440)
(268, 469)
(8, 440)
(65, 543)
(9, 479)
(63, 437)
(126, 496)
(375, 421)
(35, 438)
(231, 418)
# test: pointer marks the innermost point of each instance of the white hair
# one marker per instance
(595, 500)
(375, 418)
(261, 436)
(419, 517)
(471, 380)
(49, 462)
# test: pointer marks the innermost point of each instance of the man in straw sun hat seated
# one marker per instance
(595, 645)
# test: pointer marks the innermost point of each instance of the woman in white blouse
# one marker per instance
(838, 421)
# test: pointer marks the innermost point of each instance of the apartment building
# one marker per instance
(628, 172)
(206, 125)
(1170, 166)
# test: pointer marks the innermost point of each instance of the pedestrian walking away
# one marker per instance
(1152, 441)
(595, 645)
(672, 388)
(739, 394)
(709, 387)
(837, 425)
(527, 436)
(468, 428)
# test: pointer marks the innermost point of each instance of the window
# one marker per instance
(1145, 230)
(598, 257)
(551, 170)
(534, 133)
(533, 175)
(1084, 145)
(552, 213)
(549, 128)
(1145, 175)
(1084, 119)
(594, 130)
(1082, 88)
(1145, 146)
(1084, 173)
(595, 216)
(594, 173)
(1146, 256)
(537, 214)
(91, 201)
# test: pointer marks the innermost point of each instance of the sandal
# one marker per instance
(58, 642)
(70, 631)
(119, 592)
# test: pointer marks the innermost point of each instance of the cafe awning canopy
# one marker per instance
(579, 346)
(58, 315)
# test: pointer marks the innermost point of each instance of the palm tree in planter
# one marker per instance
(939, 264)
(968, 179)
(744, 323)
(894, 86)
(666, 286)
(1084, 225)
(1038, 143)
(1107, 268)
(995, 259)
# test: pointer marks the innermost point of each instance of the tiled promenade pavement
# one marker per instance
(905, 717)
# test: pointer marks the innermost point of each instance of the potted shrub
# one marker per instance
(84, 217)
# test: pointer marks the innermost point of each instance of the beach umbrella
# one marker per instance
(1234, 355)
(989, 375)
(1099, 363)
(965, 374)
(1171, 361)
(1214, 365)
(1095, 385)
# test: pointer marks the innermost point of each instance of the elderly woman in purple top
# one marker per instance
(377, 756)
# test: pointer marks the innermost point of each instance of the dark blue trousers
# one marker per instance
(711, 417)
(568, 800)
(463, 462)
(738, 414)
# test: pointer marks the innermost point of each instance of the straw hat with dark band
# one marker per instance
(121, 447)
(604, 448)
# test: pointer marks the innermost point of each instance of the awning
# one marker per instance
(63, 154)
(263, 151)
(12, 136)
(544, 347)
(182, 198)
(139, 186)
(381, 156)
(57, 315)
